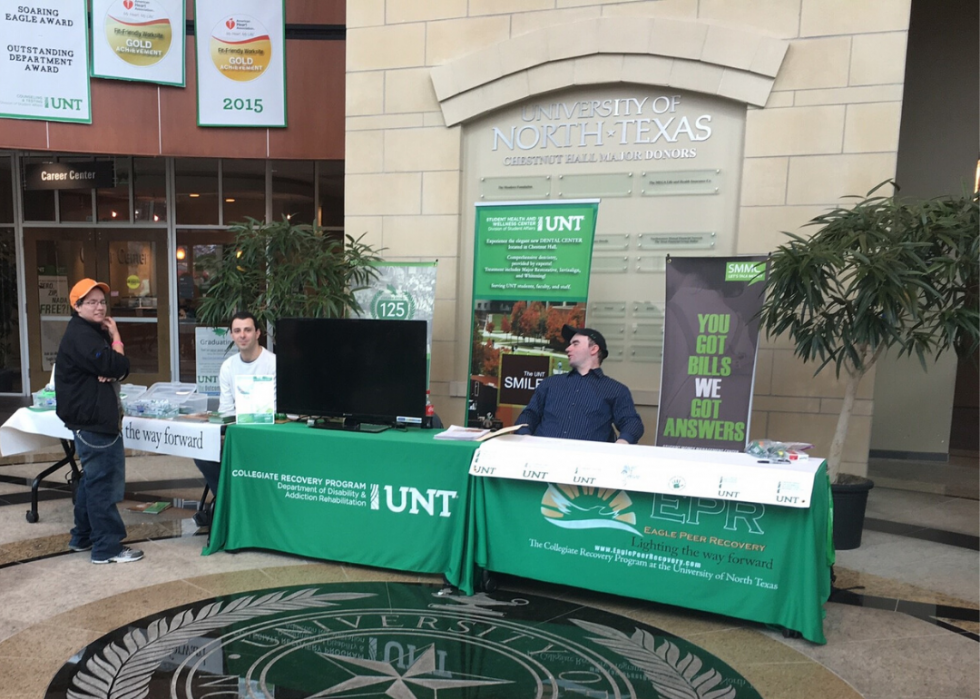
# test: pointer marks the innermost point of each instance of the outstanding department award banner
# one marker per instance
(44, 61)
(530, 277)
(241, 62)
(711, 334)
(139, 40)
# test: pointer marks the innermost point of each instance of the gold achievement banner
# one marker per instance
(44, 61)
(140, 40)
(241, 62)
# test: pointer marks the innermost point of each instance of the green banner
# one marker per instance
(393, 500)
(765, 563)
(401, 291)
(530, 277)
(711, 334)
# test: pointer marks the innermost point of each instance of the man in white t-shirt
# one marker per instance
(252, 360)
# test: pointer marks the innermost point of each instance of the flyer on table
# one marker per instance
(255, 400)
(241, 62)
(44, 61)
(139, 40)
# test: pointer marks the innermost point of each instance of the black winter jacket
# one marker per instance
(85, 354)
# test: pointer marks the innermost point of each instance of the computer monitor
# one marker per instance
(363, 370)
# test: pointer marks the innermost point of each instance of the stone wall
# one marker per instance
(828, 128)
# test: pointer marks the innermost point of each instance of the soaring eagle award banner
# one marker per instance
(44, 61)
(139, 40)
(711, 334)
(241, 62)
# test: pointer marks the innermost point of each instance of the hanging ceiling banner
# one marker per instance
(140, 40)
(241, 62)
(44, 61)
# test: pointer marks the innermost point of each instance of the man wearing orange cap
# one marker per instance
(91, 361)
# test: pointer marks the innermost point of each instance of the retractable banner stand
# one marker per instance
(401, 291)
(44, 61)
(711, 334)
(530, 277)
(241, 62)
(139, 40)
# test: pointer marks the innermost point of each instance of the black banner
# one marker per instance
(711, 333)
(88, 175)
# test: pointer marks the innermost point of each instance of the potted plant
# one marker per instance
(281, 270)
(883, 273)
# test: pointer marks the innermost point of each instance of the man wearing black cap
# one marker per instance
(584, 403)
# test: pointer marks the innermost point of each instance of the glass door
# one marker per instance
(133, 263)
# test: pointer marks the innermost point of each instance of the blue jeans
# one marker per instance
(103, 484)
(210, 470)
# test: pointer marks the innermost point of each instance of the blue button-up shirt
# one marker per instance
(573, 406)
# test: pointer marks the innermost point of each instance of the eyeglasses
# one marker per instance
(93, 302)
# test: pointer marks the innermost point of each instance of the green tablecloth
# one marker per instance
(394, 500)
(764, 563)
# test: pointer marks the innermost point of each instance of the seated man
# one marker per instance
(252, 360)
(584, 403)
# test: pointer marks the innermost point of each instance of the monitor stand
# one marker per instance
(346, 425)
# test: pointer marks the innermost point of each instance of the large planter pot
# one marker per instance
(850, 503)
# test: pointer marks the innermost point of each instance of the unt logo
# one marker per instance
(63, 103)
(560, 223)
(230, 24)
(416, 502)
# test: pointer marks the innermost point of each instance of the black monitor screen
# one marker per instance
(369, 370)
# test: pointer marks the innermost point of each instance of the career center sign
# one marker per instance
(649, 127)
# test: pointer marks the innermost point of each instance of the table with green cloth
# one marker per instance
(393, 500)
(764, 563)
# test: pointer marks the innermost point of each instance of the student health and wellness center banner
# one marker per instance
(711, 334)
(139, 40)
(44, 61)
(531, 276)
(241, 62)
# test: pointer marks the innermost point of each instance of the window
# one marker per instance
(112, 203)
(292, 190)
(6, 190)
(150, 189)
(197, 191)
(331, 203)
(243, 190)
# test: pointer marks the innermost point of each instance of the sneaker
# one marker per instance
(202, 518)
(78, 548)
(127, 555)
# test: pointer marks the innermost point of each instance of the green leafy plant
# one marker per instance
(884, 273)
(282, 270)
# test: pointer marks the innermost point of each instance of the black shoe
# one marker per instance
(202, 518)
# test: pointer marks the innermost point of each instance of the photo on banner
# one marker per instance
(44, 62)
(241, 62)
(402, 291)
(141, 40)
(212, 346)
(711, 337)
(530, 277)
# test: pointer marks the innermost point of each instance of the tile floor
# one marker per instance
(905, 623)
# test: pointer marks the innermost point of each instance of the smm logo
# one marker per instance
(750, 272)
(230, 24)
(572, 507)
(434, 503)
